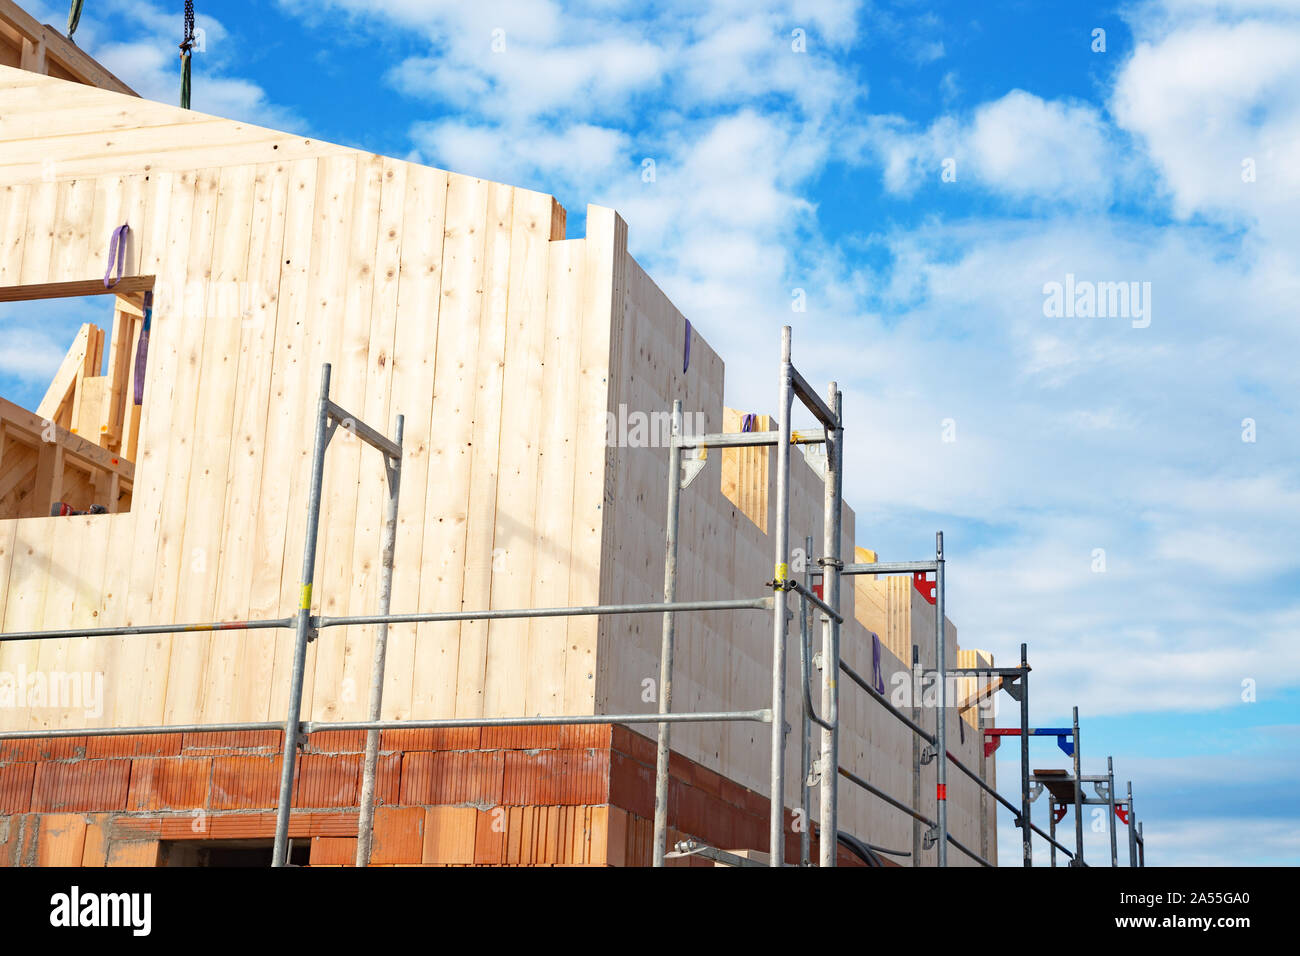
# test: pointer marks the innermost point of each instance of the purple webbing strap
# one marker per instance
(877, 676)
(142, 350)
(686, 357)
(748, 424)
(116, 249)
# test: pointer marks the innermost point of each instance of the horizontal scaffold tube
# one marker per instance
(659, 607)
(739, 604)
(762, 716)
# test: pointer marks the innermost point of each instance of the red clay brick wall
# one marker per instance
(573, 794)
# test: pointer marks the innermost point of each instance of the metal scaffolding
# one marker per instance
(687, 457)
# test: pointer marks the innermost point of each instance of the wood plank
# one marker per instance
(209, 415)
(286, 422)
(552, 522)
(38, 239)
(602, 292)
(178, 329)
(372, 495)
(521, 419)
(485, 411)
(418, 295)
(451, 452)
(233, 665)
(13, 223)
(336, 691)
(75, 288)
(336, 186)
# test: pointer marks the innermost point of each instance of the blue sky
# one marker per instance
(821, 169)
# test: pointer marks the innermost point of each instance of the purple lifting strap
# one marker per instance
(142, 350)
(116, 249)
(877, 677)
(686, 357)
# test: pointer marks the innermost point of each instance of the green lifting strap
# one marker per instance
(185, 81)
(74, 17)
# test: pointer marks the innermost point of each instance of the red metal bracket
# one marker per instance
(927, 589)
(1122, 813)
(1059, 811)
(991, 744)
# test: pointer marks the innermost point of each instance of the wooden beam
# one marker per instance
(56, 48)
(72, 290)
(65, 379)
(19, 419)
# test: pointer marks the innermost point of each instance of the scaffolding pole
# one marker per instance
(303, 630)
(780, 538)
(831, 620)
(1026, 820)
(941, 722)
(378, 661)
(1110, 799)
(1132, 828)
(669, 634)
(1078, 797)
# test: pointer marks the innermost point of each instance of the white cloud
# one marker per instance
(1209, 97)
(1020, 146)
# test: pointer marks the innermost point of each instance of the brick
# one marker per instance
(62, 839)
(453, 778)
(691, 815)
(253, 741)
(136, 828)
(586, 736)
(388, 779)
(732, 792)
(81, 785)
(489, 836)
(616, 835)
(631, 785)
(338, 742)
(169, 783)
(235, 826)
(333, 851)
(245, 782)
(18, 839)
(416, 739)
(570, 777)
(134, 745)
(545, 737)
(95, 852)
(328, 780)
(399, 835)
(333, 824)
(142, 853)
(634, 745)
(708, 780)
(449, 834)
(16, 787)
(16, 750)
(60, 748)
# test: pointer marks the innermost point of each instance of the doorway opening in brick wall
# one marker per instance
(228, 853)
